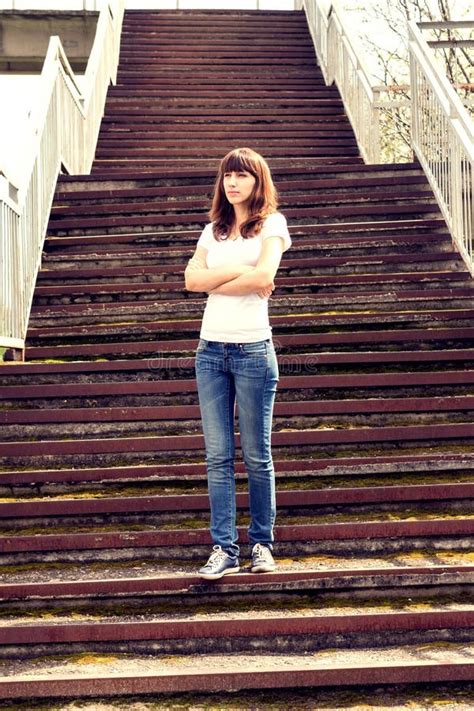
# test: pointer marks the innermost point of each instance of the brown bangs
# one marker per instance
(263, 201)
(237, 161)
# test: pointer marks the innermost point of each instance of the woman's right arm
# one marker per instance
(199, 278)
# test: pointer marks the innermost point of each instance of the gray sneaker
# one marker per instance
(219, 564)
(262, 559)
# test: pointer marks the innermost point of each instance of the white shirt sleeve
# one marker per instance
(275, 226)
(206, 239)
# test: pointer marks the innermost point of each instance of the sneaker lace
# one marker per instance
(260, 552)
(217, 555)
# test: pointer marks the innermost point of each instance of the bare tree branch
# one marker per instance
(393, 62)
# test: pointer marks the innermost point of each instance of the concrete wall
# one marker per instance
(24, 39)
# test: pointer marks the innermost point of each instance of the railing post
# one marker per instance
(455, 198)
(375, 127)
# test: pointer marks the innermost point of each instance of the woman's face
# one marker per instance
(238, 186)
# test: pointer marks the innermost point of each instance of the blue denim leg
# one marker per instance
(217, 403)
(255, 371)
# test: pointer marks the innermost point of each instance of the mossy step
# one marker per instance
(266, 631)
(196, 485)
(350, 688)
(460, 511)
(234, 604)
(45, 572)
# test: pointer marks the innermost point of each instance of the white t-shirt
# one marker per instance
(239, 319)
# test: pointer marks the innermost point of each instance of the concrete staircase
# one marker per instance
(104, 507)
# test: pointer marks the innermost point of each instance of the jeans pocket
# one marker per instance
(259, 348)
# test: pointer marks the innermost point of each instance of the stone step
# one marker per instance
(168, 326)
(71, 252)
(312, 238)
(308, 627)
(408, 196)
(291, 268)
(163, 508)
(148, 255)
(187, 175)
(381, 532)
(162, 305)
(300, 264)
(162, 387)
(343, 186)
(392, 467)
(312, 443)
(156, 482)
(394, 675)
(292, 361)
(378, 214)
(163, 89)
(65, 422)
(78, 587)
(401, 338)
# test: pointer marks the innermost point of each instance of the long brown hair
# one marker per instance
(262, 202)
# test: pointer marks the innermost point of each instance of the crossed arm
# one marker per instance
(238, 279)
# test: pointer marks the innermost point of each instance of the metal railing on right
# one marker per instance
(342, 63)
(442, 130)
(443, 141)
(65, 125)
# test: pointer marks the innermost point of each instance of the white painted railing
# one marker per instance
(443, 141)
(442, 130)
(66, 122)
(340, 62)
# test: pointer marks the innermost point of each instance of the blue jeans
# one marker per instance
(246, 374)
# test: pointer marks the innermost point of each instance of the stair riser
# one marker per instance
(173, 275)
(206, 176)
(144, 311)
(290, 361)
(412, 197)
(141, 294)
(175, 399)
(175, 427)
(435, 444)
(178, 521)
(287, 188)
(198, 553)
(146, 257)
(304, 237)
(175, 330)
(381, 341)
(448, 467)
(281, 644)
(366, 589)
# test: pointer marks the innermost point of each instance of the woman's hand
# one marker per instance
(266, 292)
(260, 279)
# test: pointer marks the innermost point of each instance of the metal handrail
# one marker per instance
(341, 63)
(65, 124)
(443, 141)
(442, 130)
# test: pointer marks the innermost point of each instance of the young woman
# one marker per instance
(235, 262)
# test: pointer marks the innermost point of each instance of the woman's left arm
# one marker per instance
(259, 279)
